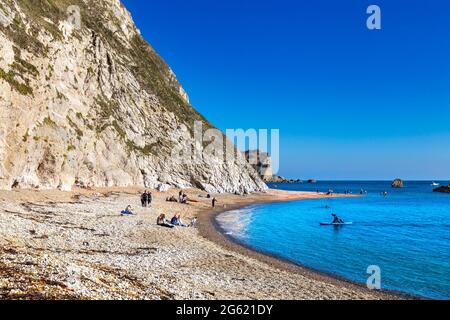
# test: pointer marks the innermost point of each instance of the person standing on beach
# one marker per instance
(144, 199)
(149, 199)
(214, 200)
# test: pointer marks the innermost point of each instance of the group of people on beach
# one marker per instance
(162, 221)
(174, 222)
(146, 199)
(183, 199)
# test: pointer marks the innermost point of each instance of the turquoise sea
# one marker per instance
(406, 234)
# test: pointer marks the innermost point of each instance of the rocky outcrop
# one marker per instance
(262, 163)
(397, 183)
(443, 189)
(280, 179)
(92, 104)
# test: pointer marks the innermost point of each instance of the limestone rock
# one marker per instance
(397, 183)
(95, 105)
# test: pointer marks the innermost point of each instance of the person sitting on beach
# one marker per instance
(336, 219)
(180, 195)
(193, 222)
(161, 221)
(171, 199)
(184, 199)
(128, 211)
(176, 221)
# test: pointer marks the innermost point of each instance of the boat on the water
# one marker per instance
(336, 224)
(435, 184)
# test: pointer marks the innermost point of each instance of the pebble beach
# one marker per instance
(76, 245)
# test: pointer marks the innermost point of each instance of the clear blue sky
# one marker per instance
(350, 103)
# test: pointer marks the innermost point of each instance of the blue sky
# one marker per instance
(350, 103)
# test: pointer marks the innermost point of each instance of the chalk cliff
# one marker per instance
(85, 100)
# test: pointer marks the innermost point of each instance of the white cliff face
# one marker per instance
(96, 106)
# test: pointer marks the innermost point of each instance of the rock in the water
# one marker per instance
(397, 183)
(95, 105)
(312, 181)
(443, 189)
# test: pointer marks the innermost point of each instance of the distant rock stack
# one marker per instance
(262, 163)
(397, 183)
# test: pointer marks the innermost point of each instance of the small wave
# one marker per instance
(235, 222)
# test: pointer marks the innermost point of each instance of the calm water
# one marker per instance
(406, 234)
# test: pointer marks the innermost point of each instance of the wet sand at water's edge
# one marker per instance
(76, 245)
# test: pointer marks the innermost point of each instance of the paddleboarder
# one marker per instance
(336, 219)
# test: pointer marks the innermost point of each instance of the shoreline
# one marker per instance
(75, 245)
(211, 230)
